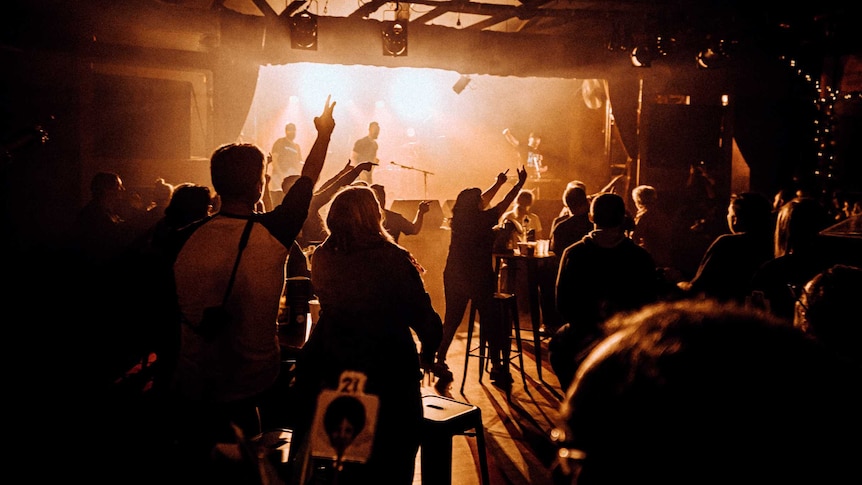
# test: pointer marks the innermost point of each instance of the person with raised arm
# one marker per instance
(469, 274)
(228, 375)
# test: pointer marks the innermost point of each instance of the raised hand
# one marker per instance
(317, 155)
(424, 206)
(522, 175)
(325, 122)
(502, 177)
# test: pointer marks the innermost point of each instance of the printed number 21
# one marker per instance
(352, 382)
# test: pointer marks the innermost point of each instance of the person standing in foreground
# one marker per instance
(226, 379)
(678, 385)
(602, 274)
(372, 300)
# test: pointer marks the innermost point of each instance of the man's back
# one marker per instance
(596, 281)
(568, 230)
(202, 270)
(729, 265)
(653, 232)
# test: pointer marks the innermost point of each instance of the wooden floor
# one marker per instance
(516, 431)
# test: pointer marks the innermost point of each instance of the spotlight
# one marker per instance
(303, 31)
(461, 83)
(641, 56)
(394, 38)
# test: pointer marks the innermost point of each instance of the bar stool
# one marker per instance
(508, 303)
(444, 418)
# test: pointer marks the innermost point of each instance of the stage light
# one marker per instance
(461, 83)
(394, 38)
(641, 56)
(303, 31)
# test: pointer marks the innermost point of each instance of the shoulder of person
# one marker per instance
(581, 244)
(399, 254)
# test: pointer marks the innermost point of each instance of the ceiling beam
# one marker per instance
(265, 9)
(524, 11)
(478, 8)
(500, 13)
(293, 7)
(368, 8)
(431, 15)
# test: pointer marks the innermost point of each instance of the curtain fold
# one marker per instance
(623, 91)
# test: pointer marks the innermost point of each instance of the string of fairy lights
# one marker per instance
(825, 98)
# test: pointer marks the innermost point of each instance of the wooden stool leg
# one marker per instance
(470, 325)
(483, 345)
(480, 445)
(518, 345)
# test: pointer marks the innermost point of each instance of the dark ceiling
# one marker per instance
(808, 29)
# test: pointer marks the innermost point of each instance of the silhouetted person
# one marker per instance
(365, 149)
(102, 242)
(106, 226)
(228, 376)
(529, 154)
(653, 228)
(189, 203)
(798, 256)
(565, 210)
(827, 308)
(372, 301)
(676, 385)
(314, 229)
(726, 269)
(286, 156)
(698, 216)
(469, 275)
(575, 224)
(602, 274)
(395, 223)
(151, 300)
(567, 229)
(527, 223)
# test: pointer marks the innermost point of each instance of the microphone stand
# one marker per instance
(425, 175)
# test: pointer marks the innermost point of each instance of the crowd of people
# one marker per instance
(731, 369)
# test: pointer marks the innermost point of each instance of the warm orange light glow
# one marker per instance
(424, 124)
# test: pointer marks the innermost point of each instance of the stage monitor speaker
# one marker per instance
(407, 208)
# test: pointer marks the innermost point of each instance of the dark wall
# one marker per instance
(141, 118)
